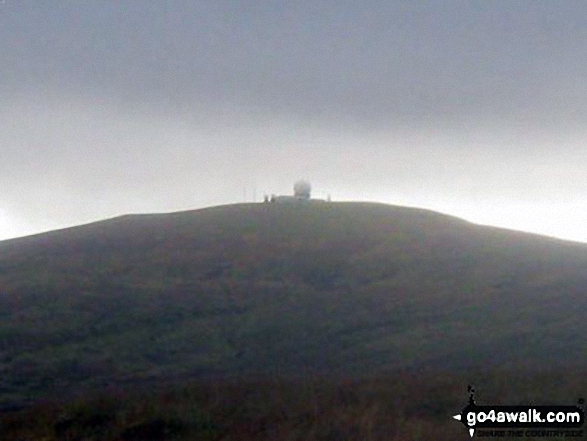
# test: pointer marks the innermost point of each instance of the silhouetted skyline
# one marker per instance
(470, 108)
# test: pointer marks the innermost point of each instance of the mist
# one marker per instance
(468, 108)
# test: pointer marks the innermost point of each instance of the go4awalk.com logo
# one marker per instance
(522, 421)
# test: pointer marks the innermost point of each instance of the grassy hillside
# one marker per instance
(398, 407)
(279, 289)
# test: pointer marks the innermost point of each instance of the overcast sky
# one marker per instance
(472, 108)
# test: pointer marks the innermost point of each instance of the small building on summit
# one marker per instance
(302, 192)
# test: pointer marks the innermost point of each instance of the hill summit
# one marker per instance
(348, 288)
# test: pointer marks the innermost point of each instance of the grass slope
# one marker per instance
(282, 289)
(400, 407)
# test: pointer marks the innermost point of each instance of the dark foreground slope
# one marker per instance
(348, 288)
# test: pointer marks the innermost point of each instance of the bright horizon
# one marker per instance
(511, 218)
(473, 109)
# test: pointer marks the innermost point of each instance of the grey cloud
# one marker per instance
(403, 62)
(109, 107)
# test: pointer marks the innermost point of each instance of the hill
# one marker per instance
(283, 289)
